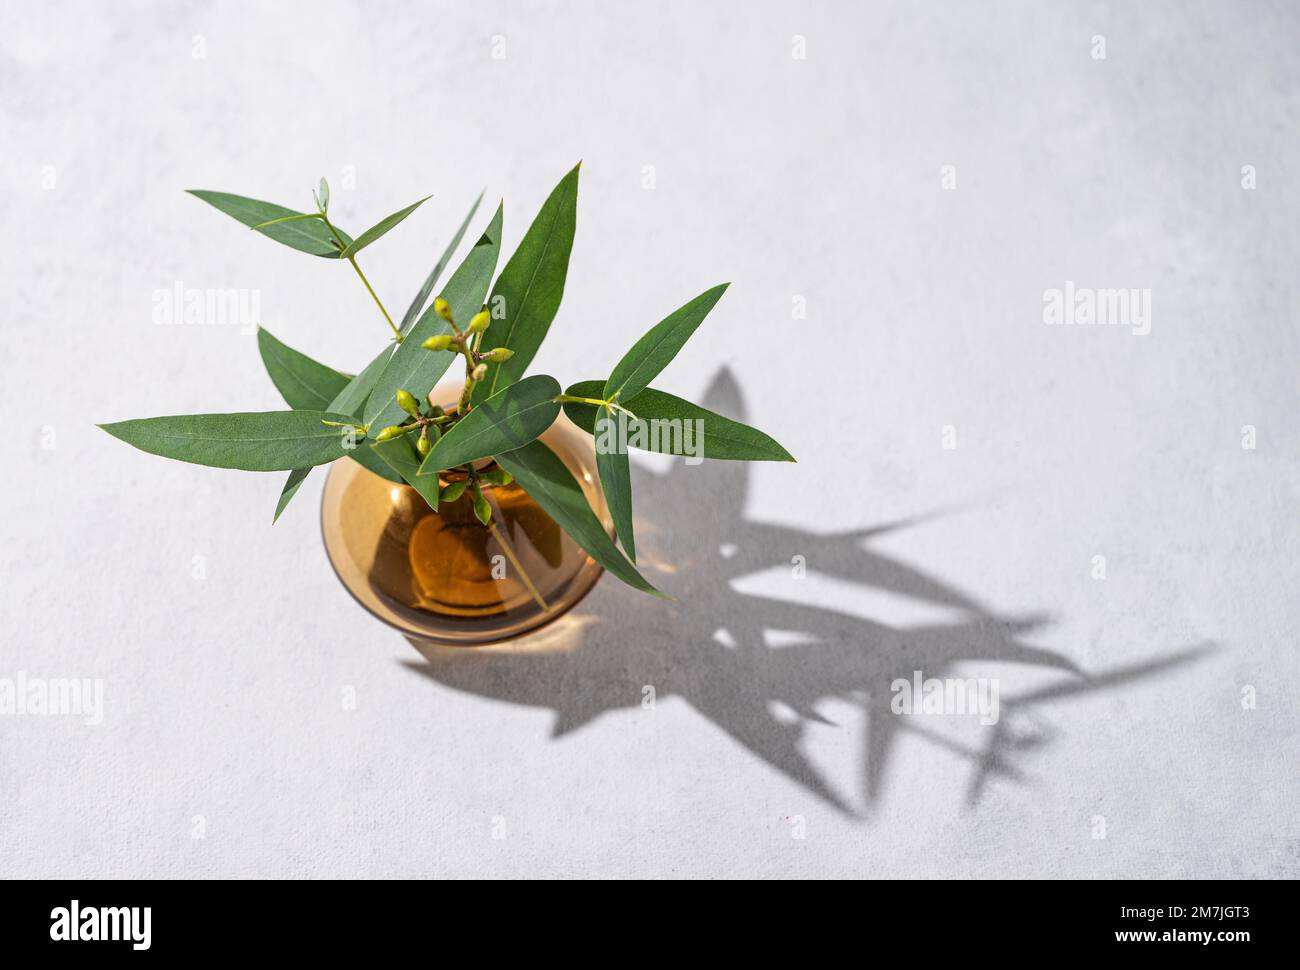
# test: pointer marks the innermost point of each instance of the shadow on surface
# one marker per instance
(714, 646)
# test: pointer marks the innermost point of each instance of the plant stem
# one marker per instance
(463, 407)
(505, 547)
(562, 398)
(594, 402)
(397, 334)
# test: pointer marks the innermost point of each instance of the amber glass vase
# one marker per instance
(445, 578)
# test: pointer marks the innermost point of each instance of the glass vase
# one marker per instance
(445, 578)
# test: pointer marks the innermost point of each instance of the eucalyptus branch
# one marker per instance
(506, 437)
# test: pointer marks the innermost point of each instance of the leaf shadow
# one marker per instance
(714, 646)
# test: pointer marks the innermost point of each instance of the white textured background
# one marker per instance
(815, 178)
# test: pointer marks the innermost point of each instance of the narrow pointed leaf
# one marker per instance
(276, 222)
(529, 289)
(353, 397)
(435, 274)
(417, 370)
(505, 421)
(290, 489)
(615, 477)
(381, 228)
(550, 484)
(365, 456)
(258, 441)
(305, 235)
(653, 352)
(353, 390)
(302, 382)
(723, 438)
(402, 458)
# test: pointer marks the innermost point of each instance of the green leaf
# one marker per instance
(431, 280)
(544, 477)
(482, 511)
(529, 289)
(276, 222)
(381, 228)
(257, 441)
(400, 455)
(653, 352)
(505, 421)
(351, 400)
(290, 489)
(302, 382)
(723, 438)
(353, 397)
(367, 459)
(347, 400)
(615, 477)
(416, 369)
(305, 235)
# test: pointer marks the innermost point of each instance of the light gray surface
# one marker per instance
(817, 178)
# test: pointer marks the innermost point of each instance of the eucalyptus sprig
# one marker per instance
(384, 417)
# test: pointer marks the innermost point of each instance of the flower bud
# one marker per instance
(479, 372)
(481, 508)
(423, 446)
(441, 342)
(453, 491)
(407, 402)
(497, 476)
(442, 308)
(388, 434)
(435, 410)
(479, 322)
(499, 355)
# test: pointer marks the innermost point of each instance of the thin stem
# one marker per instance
(570, 398)
(462, 407)
(397, 334)
(594, 402)
(505, 547)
